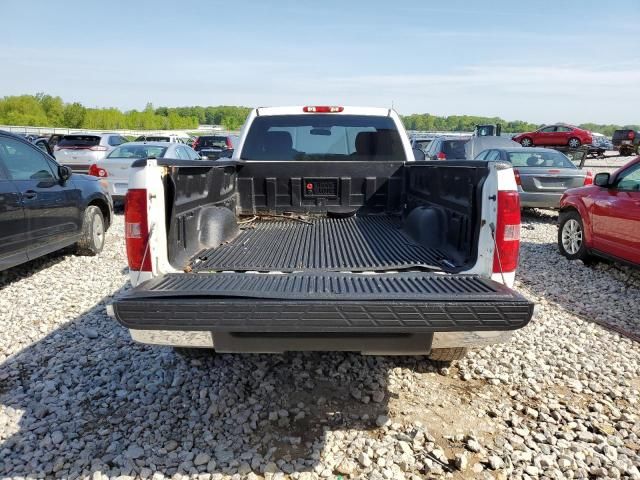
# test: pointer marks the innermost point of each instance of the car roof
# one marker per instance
(153, 144)
(527, 149)
(93, 134)
(297, 110)
(450, 137)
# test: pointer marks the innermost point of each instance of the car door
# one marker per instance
(562, 135)
(51, 207)
(13, 227)
(434, 147)
(615, 216)
(545, 136)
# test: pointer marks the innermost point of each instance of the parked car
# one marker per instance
(44, 207)
(447, 148)
(421, 141)
(599, 145)
(478, 144)
(81, 150)
(542, 174)
(445, 252)
(555, 135)
(626, 141)
(214, 146)
(43, 144)
(603, 219)
(172, 138)
(115, 168)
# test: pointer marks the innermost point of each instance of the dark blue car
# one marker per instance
(44, 207)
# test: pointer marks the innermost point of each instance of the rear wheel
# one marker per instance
(444, 356)
(92, 238)
(526, 142)
(571, 236)
(574, 142)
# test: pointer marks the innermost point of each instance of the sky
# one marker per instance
(543, 61)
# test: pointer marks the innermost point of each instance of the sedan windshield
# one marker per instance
(550, 159)
(138, 151)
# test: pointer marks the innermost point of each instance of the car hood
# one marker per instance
(581, 191)
(83, 177)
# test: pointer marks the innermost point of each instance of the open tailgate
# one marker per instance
(412, 302)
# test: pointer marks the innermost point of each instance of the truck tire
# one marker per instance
(194, 353)
(447, 355)
(571, 236)
(92, 237)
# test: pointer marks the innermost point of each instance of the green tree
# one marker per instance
(74, 115)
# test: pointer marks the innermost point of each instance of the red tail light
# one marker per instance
(136, 231)
(631, 135)
(228, 142)
(195, 143)
(588, 179)
(505, 258)
(516, 174)
(441, 156)
(96, 171)
(322, 109)
(98, 148)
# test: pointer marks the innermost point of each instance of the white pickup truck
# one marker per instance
(323, 233)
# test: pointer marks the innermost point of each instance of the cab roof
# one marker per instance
(298, 110)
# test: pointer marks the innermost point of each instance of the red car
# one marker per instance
(603, 219)
(555, 135)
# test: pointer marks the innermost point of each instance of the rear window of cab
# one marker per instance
(323, 137)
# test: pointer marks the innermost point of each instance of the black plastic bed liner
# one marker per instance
(367, 243)
(416, 302)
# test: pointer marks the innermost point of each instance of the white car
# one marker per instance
(172, 138)
(115, 168)
(81, 150)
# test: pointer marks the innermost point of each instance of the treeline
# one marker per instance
(461, 123)
(230, 117)
(606, 129)
(48, 111)
(466, 123)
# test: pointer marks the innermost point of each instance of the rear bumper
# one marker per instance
(197, 307)
(540, 200)
(416, 344)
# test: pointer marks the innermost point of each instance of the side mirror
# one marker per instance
(64, 172)
(418, 154)
(602, 179)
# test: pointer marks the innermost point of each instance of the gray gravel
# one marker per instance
(78, 399)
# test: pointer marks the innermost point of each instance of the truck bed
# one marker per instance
(358, 243)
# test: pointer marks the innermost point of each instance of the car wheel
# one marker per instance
(526, 142)
(92, 237)
(571, 236)
(444, 356)
(574, 142)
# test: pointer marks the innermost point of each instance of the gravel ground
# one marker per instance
(79, 399)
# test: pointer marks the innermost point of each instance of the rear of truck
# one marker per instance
(321, 233)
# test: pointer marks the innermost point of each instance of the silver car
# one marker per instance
(542, 174)
(81, 150)
(115, 168)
